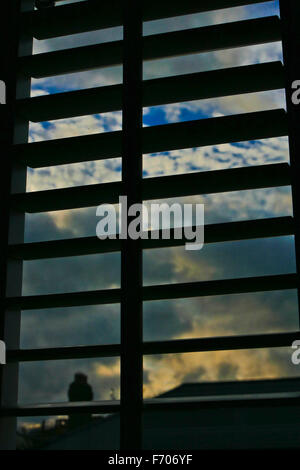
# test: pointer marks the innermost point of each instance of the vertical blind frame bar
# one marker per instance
(131, 250)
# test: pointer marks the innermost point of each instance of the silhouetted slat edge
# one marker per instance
(52, 409)
(198, 133)
(263, 400)
(222, 343)
(161, 292)
(75, 352)
(90, 16)
(157, 46)
(74, 299)
(196, 86)
(214, 233)
(220, 287)
(206, 182)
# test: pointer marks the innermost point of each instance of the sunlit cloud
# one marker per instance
(200, 318)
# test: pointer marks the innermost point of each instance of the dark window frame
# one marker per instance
(16, 72)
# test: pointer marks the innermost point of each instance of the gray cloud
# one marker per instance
(223, 315)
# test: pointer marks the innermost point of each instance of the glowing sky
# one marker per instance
(191, 318)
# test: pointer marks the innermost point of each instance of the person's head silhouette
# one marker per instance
(80, 378)
(80, 390)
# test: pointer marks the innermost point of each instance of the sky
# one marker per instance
(172, 319)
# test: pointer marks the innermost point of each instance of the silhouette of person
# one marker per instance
(80, 390)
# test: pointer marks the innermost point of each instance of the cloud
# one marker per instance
(186, 318)
(75, 126)
(174, 319)
(167, 372)
(48, 382)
